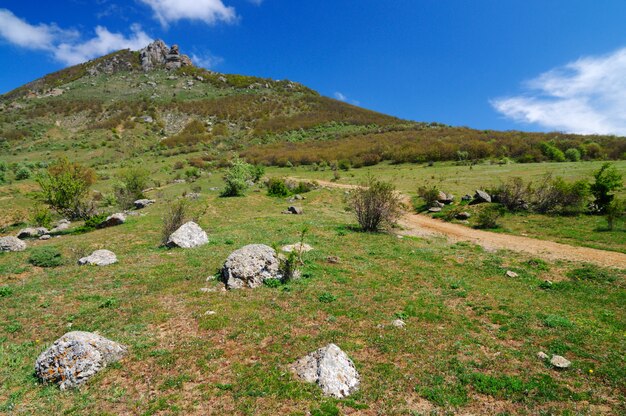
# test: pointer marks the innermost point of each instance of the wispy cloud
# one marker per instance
(586, 96)
(67, 46)
(342, 97)
(206, 60)
(207, 11)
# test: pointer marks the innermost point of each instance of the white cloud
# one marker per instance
(67, 46)
(587, 96)
(206, 60)
(341, 97)
(208, 11)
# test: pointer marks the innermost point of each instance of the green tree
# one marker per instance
(64, 187)
(130, 187)
(607, 180)
(238, 178)
(615, 211)
(572, 154)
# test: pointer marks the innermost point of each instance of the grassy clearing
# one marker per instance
(588, 231)
(470, 342)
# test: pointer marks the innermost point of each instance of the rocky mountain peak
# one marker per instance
(158, 55)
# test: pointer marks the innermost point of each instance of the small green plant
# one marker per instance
(488, 216)
(327, 297)
(175, 216)
(41, 216)
(557, 321)
(607, 181)
(94, 221)
(237, 178)
(45, 257)
(130, 187)
(23, 173)
(277, 187)
(5, 291)
(591, 273)
(615, 211)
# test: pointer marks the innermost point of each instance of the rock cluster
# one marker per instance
(32, 233)
(189, 235)
(331, 369)
(11, 244)
(142, 203)
(75, 358)
(250, 266)
(157, 55)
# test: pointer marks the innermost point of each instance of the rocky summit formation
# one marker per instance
(157, 55)
(331, 369)
(75, 358)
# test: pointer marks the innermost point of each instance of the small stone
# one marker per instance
(398, 323)
(45, 237)
(511, 273)
(542, 355)
(113, 220)
(209, 313)
(299, 247)
(434, 210)
(333, 259)
(295, 210)
(560, 362)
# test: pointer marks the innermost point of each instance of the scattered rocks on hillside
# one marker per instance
(560, 362)
(250, 266)
(299, 247)
(481, 197)
(32, 233)
(463, 215)
(11, 244)
(76, 357)
(189, 235)
(61, 225)
(510, 273)
(331, 369)
(113, 220)
(294, 210)
(99, 258)
(143, 203)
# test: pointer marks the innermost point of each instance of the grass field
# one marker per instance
(470, 343)
(584, 230)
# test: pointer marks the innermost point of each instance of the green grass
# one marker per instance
(471, 333)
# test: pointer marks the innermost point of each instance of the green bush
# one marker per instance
(94, 221)
(46, 257)
(615, 211)
(175, 216)
(513, 194)
(552, 152)
(376, 204)
(65, 185)
(41, 216)
(488, 216)
(23, 173)
(607, 180)
(277, 187)
(572, 154)
(237, 178)
(130, 187)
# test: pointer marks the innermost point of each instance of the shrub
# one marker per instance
(376, 204)
(237, 178)
(41, 216)
(607, 180)
(130, 188)
(192, 173)
(64, 187)
(22, 173)
(94, 221)
(552, 152)
(513, 194)
(554, 195)
(257, 172)
(175, 216)
(277, 187)
(428, 195)
(303, 187)
(46, 257)
(572, 154)
(615, 211)
(488, 216)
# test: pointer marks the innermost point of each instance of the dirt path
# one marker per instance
(422, 225)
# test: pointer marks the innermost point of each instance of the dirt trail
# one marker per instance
(422, 225)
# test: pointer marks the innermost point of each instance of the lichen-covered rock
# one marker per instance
(76, 357)
(11, 244)
(250, 266)
(331, 369)
(99, 258)
(142, 203)
(189, 235)
(32, 233)
(61, 225)
(298, 247)
(481, 197)
(113, 220)
(560, 362)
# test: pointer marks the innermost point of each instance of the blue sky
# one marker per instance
(538, 65)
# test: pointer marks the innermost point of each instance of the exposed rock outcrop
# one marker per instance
(157, 55)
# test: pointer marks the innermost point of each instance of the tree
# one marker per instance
(65, 185)
(130, 188)
(376, 204)
(572, 154)
(238, 177)
(615, 211)
(607, 180)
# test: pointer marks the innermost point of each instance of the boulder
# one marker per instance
(142, 203)
(434, 210)
(481, 197)
(61, 225)
(299, 247)
(331, 369)
(437, 204)
(113, 220)
(32, 233)
(294, 210)
(441, 196)
(99, 258)
(189, 235)
(560, 362)
(463, 215)
(76, 357)
(398, 323)
(45, 237)
(11, 244)
(250, 266)
(449, 199)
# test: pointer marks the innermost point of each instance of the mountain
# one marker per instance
(156, 102)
